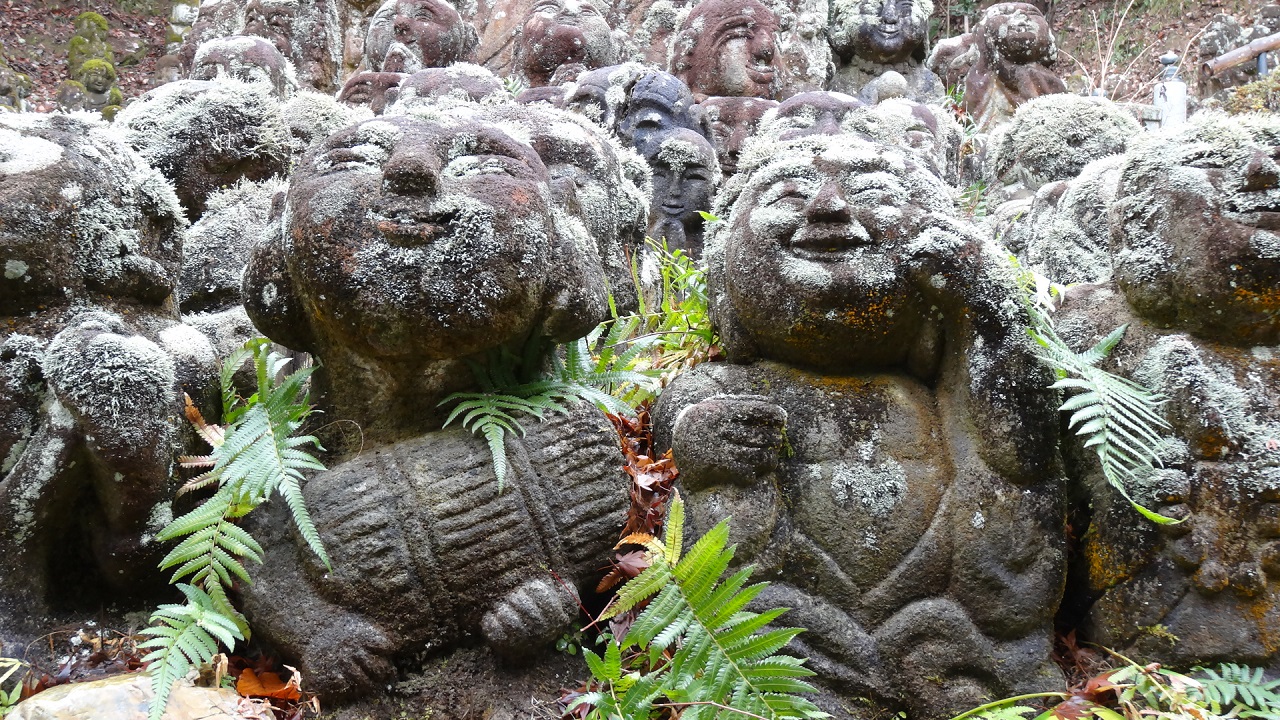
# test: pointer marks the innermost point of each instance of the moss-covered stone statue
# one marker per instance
(882, 434)
(101, 94)
(93, 364)
(88, 43)
(871, 37)
(1196, 275)
(410, 245)
(14, 87)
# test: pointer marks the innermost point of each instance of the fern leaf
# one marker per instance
(495, 436)
(302, 520)
(182, 637)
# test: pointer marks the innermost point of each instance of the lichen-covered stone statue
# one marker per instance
(459, 81)
(685, 176)
(559, 36)
(374, 90)
(14, 87)
(1015, 49)
(733, 120)
(207, 135)
(408, 35)
(100, 91)
(728, 48)
(870, 37)
(636, 103)
(304, 31)
(93, 364)
(1197, 278)
(809, 113)
(882, 434)
(247, 58)
(411, 245)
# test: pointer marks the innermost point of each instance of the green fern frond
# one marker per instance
(1117, 417)
(1239, 691)
(183, 636)
(724, 656)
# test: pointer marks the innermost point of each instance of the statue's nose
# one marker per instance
(889, 11)
(829, 205)
(412, 170)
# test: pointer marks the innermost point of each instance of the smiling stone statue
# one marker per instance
(408, 35)
(568, 34)
(727, 48)
(411, 246)
(913, 522)
(870, 37)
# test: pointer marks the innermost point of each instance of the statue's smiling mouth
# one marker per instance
(829, 242)
(413, 227)
(761, 73)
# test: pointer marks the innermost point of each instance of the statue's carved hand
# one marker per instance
(728, 439)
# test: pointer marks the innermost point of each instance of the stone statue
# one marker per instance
(869, 37)
(410, 245)
(88, 43)
(408, 35)
(247, 58)
(1015, 49)
(685, 176)
(273, 20)
(882, 433)
(305, 32)
(636, 103)
(460, 81)
(1196, 270)
(93, 364)
(727, 47)
(810, 113)
(182, 15)
(375, 90)
(100, 91)
(559, 34)
(733, 120)
(14, 87)
(205, 135)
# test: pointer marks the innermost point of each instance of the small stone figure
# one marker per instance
(1196, 276)
(88, 43)
(273, 20)
(168, 69)
(304, 32)
(727, 48)
(375, 90)
(733, 120)
(246, 58)
(870, 37)
(810, 113)
(182, 15)
(70, 96)
(460, 81)
(206, 135)
(639, 105)
(100, 91)
(560, 33)
(408, 35)
(14, 87)
(914, 520)
(1015, 50)
(685, 176)
(413, 246)
(93, 364)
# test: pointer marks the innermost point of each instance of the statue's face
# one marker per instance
(812, 113)
(271, 21)
(882, 31)
(407, 35)
(1200, 232)
(243, 57)
(658, 105)
(816, 256)
(416, 240)
(1018, 32)
(376, 90)
(563, 32)
(735, 59)
(97, 80)
(733, 120)
(683, 172)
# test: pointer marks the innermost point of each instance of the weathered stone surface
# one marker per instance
(733, 121)
(871, 37)
(374, 90)
(685, 176)
(408, 35)
(560, 34)
(1009, 56)
(93, 362)
(636, 103)
(246, 58)
(407, 252)
(460, 81)
(216, 248)
(914, 522)
(126, 697)
(1197, 269)
(728, 48)
(206, 135)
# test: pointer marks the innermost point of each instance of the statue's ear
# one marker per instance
(575, 298)
(267, 286)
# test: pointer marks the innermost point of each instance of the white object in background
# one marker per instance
(1171, 93)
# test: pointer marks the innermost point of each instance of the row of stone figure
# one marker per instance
(917, 522)
(769, 49)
